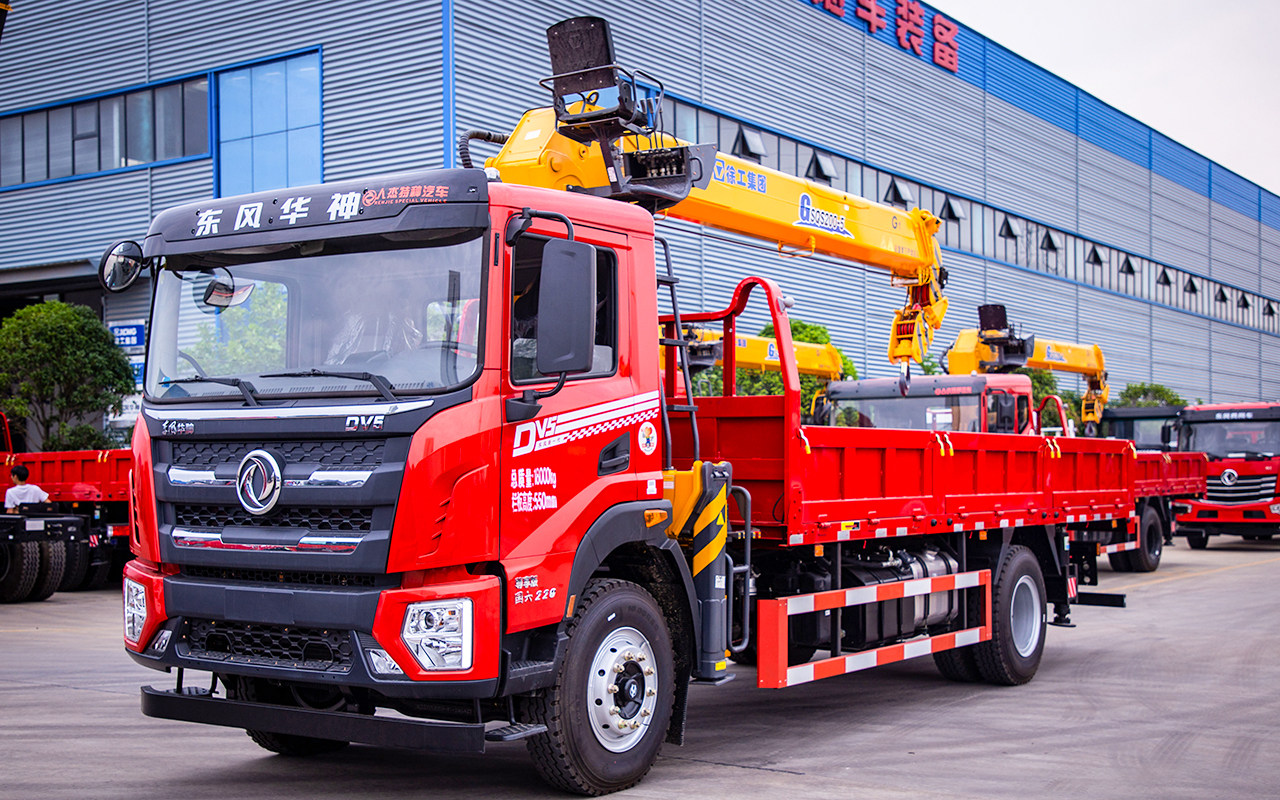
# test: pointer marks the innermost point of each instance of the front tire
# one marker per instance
(259, 690)
(1019, 617)
(610, 707)
(1197, 541)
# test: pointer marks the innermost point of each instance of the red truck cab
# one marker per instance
(1242, 443)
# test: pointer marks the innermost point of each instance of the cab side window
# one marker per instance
(526, 283)
(1024, 412)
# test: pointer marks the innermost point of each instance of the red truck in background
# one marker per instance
(1002, 402)
(1242, 442)
(79, 539)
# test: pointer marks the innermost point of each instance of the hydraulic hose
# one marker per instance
(464, 144)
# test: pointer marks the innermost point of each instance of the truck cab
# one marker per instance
(993, 403)
(1242, 443)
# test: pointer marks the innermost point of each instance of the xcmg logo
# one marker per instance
(813, 217)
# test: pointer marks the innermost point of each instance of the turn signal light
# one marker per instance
(654, 516)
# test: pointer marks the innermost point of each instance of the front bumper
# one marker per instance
(1237, 519)
(309, 635)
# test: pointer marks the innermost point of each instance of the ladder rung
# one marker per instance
(674, 342)
(685, 409)
(667, 280)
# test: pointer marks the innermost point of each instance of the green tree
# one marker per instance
(245, 338)
(1147, 394)
(759, 382)
(60, 365)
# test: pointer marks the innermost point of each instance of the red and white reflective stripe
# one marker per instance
(1104, 549)
(842, 665)
(772, 671)
(1072, 589)
(839, 598)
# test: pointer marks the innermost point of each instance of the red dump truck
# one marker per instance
(80, 537)
(412, 469)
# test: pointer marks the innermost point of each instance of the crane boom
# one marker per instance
(587, 145)
(994, 347)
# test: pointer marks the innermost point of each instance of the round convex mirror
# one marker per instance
(120, 266)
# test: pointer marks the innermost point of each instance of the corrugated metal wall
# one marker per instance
(1002, 131)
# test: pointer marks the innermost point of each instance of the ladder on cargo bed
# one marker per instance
(673, 337)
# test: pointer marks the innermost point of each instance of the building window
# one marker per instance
(269, 125)
(822, 168)
(749, 144)
(160, 123)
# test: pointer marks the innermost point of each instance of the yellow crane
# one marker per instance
(995, 347)
(600, 137)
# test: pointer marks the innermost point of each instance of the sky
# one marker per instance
(1205, 73)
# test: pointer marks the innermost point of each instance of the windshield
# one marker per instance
(373, 322)
(949, 413)
(1242, 437)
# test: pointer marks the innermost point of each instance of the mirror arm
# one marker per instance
(526, 406)
(517, 225)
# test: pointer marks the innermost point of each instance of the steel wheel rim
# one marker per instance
(625, 662)
(1025, 619)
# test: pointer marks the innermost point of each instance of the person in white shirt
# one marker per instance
(21, 491)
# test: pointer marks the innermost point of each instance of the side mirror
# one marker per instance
(1006, 413)
(567, 307)
(121, 265)
(1166, 433)
(225, 294)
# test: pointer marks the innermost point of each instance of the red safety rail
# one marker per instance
(819, 484)
(78, 475)
(1171, 474)
(773, 672)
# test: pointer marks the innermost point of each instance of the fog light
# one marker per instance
(160, 642)
(383, 664)
(438, 633)
(135, 610)
(1275, 508)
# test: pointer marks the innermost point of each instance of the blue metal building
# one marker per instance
(1087, 224)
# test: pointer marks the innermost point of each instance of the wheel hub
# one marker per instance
(621, 696)
(1025, 616)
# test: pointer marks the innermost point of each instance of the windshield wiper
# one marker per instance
(379, 382)
(244, 386)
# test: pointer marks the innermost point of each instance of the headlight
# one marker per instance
(438, 633)
(135, 609)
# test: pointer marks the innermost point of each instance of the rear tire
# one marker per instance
(960, 665)
(78, 556)
(1150, 542)
(1119, 562)
(53, 560)
(1197, 541)
(1019, 617)
(97, 576)
(608, 712)
(259, 690)
(19, 568)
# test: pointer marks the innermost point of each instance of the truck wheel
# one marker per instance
(1150, 542)
(97, 576)
(958, 664)
(1197, 541)
(19, 568)
(608, 712)
(1018, 617)
(1119, 562)
(53, 560)
(259, 690)
(78, 557)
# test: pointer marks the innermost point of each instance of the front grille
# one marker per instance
(321, 650)
(283, 577)
(347, 453)
(314, 519)
(1247, 489)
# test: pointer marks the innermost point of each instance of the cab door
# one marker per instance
(576, 457)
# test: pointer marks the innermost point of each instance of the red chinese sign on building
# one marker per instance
(910, 24)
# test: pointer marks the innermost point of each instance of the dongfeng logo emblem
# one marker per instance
(258, 482)
(1229, 477)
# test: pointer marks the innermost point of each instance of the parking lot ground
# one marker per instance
(1175, 696)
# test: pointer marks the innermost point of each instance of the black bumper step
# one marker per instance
(412, 734)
